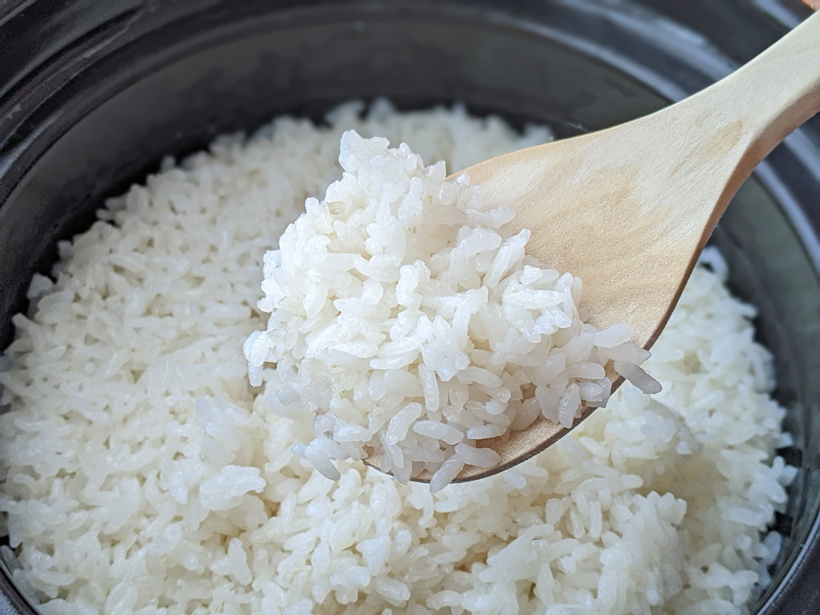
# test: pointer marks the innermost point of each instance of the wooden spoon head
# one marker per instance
(589, 203)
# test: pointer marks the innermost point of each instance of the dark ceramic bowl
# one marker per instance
(94, 93)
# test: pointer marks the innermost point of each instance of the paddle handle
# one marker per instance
(774, 93)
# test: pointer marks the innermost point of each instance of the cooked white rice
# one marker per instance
(406, 316)
(143, 474)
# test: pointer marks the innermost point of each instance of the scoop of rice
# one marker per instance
(407, 316)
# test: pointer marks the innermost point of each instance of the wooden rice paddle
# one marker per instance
(629, 209)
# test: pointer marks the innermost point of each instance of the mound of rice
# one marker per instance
(142, 473)
(406, 316)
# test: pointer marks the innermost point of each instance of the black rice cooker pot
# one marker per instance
(94, 92)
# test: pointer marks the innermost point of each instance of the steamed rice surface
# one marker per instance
(143, 474)
(408, 319)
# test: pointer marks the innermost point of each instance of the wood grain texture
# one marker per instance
(629, 209)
